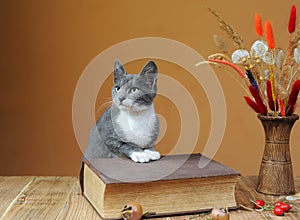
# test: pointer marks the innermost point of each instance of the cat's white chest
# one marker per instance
(137, 128)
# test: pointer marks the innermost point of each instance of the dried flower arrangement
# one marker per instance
(270, 73)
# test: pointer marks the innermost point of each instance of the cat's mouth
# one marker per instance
(124, 105)
(135, 107)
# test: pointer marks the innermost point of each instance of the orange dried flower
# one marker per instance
(258, 25)
(282, 107)
(269, 35)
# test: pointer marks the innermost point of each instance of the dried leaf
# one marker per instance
(220, 43)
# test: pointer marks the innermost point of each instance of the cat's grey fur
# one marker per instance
(130, 126)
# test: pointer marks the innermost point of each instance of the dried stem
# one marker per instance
(238, 41)
(296, 38)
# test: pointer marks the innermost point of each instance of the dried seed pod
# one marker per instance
(219, 214)
(132, 211)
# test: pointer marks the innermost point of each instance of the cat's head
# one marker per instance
(134, 92)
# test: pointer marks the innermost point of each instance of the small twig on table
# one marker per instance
(245, 207)
(197, 216)
(294, 206)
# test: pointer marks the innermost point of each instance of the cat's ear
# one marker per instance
(150, 73)
(119, 71)
(150, 68)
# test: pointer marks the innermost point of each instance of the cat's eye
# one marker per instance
(133, 90)
(117, 88)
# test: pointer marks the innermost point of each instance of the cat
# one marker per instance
(130, 126)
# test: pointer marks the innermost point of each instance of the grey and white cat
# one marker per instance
(130, 126)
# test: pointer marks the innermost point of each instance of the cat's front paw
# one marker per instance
(140, 157)
(153, 155)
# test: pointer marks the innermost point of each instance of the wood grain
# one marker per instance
(247, 186)
(276, 170)
(77, 207)
(43, 198)
(10, 188)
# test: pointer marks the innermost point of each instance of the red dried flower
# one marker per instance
(293, 98)
(260, 104)
(236, 68)
(252, 104)
(294, 93)
(292, 21)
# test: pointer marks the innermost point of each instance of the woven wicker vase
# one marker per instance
(276, 171)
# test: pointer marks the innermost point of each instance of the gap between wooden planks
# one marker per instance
(43, 198)
(39, 197)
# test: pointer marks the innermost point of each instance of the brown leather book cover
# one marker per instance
(117, 170)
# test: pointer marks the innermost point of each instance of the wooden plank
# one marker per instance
(10, 188)
(77, 207)
(248, 185)
(60, 198)
(243, 192)
(44, 198)
(234, 215)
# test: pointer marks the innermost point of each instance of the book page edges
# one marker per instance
(94, 189)
(175, 196)
(179, 196)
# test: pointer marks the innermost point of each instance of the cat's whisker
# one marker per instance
(104, 105)
(106, 99)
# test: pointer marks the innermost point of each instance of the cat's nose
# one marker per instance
(121, 99)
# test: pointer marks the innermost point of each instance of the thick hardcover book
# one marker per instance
(172, 185)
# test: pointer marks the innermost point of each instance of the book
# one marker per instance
(172, 185)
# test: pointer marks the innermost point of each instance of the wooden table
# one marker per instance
(60, 198)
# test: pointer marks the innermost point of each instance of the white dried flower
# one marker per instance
(268, 58)
(238, 55)
(297, 55)
(259, 48)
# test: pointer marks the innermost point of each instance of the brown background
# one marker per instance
(46, 45)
